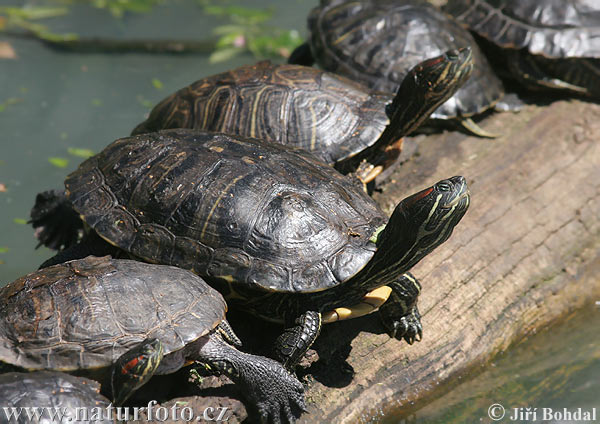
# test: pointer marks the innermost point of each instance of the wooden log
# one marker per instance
(526, 253)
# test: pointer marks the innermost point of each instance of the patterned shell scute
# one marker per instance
(46, 389)
(329, 115)
(84, 314)
(378, 42)
(259, 214)
(551, 28)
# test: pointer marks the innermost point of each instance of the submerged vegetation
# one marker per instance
(241, 29)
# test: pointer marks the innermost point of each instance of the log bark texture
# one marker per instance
(526, 253)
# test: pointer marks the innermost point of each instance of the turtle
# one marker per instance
(52, 392)
(334, 118)
(376, 42)
(544, 44)
(282, 235)
(120, 321)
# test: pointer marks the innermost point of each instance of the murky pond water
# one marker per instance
(532, 382)
(85, 101)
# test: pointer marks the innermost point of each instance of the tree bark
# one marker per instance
(526, 253)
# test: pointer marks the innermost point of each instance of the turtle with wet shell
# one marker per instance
(121, 321)
(544, 44)
(377, 42)
(51, 392)
(339, 121)
(279, 233)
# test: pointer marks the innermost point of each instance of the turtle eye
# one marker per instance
(444, 187)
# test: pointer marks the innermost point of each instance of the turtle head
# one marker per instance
(418, 225)
(426, 87)
(134, 368)
(435, 80)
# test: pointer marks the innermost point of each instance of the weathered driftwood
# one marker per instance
(526, 253)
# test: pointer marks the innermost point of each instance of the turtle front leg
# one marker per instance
(293, 343)
(399, 313)
(276, 393)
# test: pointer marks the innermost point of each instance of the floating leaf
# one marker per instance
(157, 83)
(96, 102)
(82, 153)
(145, 102)
(8, 102)
(59, 162)
(20, 221)
(3, 249)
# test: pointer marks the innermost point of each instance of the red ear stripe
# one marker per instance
(409, 201)
(434, 61)
(129, 365)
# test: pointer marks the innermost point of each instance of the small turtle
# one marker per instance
(54, 392)
(330, 116)
(376, 42)
(279, 233)
(121, 321)
(545, 44)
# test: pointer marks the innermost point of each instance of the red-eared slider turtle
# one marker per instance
(330, 116)
(52, 393)
(376, 42)
(121, 321)
(279, 233)
(545, 43)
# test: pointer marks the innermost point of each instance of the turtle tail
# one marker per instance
(57, 225)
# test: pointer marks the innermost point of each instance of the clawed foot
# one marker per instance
(277, 394)
(407, 327)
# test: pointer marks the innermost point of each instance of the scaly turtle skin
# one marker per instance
(331, 116)
(49, 391)
(376, 42)
(281, 234)
(546, 44)
(122, 321)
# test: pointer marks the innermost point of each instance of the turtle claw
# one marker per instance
(282, 402)
(407, 327)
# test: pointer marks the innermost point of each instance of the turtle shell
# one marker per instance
(376, 42)
(241, 210)
(331, 116)
(46, 389)
(550, 28)
(546, 44)
(84, 314)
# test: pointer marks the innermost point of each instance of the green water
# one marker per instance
(555, 369)
(86, 101)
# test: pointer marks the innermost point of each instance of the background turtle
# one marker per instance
(48, 389)
(552, 44)
(86, 315)
(376, 42)
(330, 116)
(281, 234)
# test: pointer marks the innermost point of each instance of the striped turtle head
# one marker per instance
(134, 368)
(419, 224)
(438, 78)
(426, 87)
